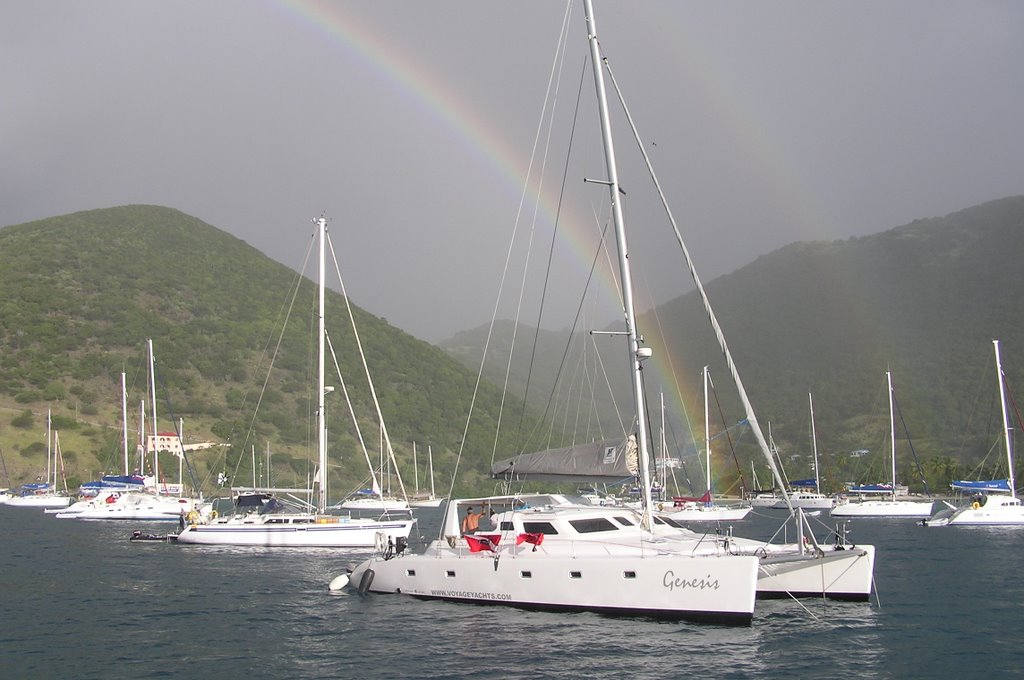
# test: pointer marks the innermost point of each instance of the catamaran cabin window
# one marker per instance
(539, 528)
(593, 525)
(506, 526)
(625, 521)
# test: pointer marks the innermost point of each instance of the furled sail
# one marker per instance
(612, 460)
(996, 485)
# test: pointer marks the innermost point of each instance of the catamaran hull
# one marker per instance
(908, 509)
(709, 589)
(839, 574)
(1001, 516)
(337, 535)
(140, 507)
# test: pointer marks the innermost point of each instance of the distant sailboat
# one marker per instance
(803, 494)
(892, 506)
(44, 494)
(705, 509)
(419, 498)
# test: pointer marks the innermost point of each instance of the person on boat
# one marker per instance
(471, 522)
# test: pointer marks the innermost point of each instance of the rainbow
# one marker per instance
(471, 132)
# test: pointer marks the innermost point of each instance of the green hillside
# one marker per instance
(925, 299)
(83, 292)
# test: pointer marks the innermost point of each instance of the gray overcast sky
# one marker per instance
(410, 124)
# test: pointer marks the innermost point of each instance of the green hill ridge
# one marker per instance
(83, 292)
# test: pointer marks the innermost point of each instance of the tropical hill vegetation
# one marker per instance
(83, 293)
(828, 319)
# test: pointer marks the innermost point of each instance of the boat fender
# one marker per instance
(338, 583)
(366, 581)
(213, 514)
(380, 542)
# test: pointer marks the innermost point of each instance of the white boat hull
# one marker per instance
(340, 532)
(426, 503)
(882, 508)
(373, 505)
(713, 513)
(836, 573)
(996, 511)
(719, 589)
(39, 501)
(807, 501)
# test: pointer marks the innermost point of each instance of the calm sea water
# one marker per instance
(79, 600)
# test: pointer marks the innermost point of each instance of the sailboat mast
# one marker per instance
(321, 500)
(49, 452)
(615, 195)
(430, 465)
(892, 433)
(707, 432)
(1006, 420)
(814, 445)
(152, 405)
(124, 420)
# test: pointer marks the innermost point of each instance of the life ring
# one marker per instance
(975, 505)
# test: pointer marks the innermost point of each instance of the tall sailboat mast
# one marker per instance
(1006, 419)
(636, 353)
(124, 420)
(152, 405)
(321, 498)
(814, 445)
(892, 433)
(707, 432)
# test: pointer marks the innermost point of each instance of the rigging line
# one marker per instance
(668, 358)
(608, 384)
(910, 443)
(366, 367)
(287, 306)
(728, 436)
(177, 431)
(352, 414)
(982, 383)
(572, 331)
(501, 285)
(719, 335)
(554, 234)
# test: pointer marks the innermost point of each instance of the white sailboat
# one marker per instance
(376, 498)
(705, 509)
(989, 509)
(885, 507)
(802, 496)
(419, 498)
(264, 519)
(535, 561)
(45, 494)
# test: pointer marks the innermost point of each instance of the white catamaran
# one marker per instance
(534, 559)
(998, 505)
